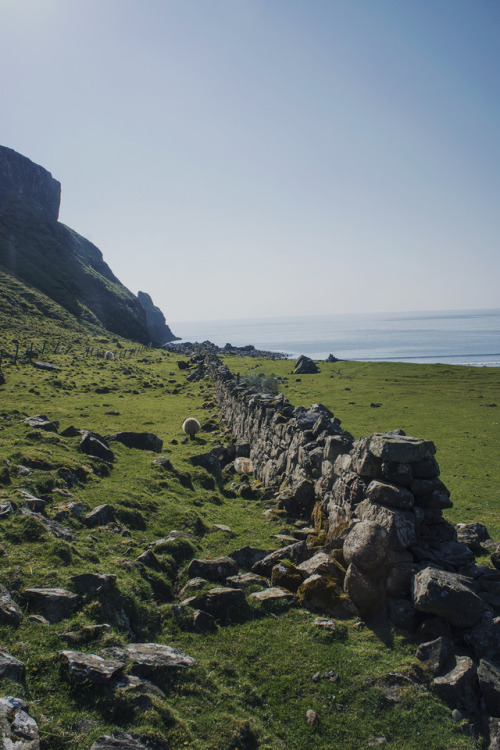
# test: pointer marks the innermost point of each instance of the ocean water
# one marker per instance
(460, 337)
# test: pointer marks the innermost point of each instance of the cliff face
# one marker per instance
(22, 177)
(158, 329)
(38, 250)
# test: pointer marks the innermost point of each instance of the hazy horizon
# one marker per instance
(268, 158)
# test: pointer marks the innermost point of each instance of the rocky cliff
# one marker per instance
(22, 177)
(49, 256)
(158, 329)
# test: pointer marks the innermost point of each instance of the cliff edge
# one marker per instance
(42, 252)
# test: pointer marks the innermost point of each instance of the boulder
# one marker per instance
(489, 683)
(203, 622)
(217, 602)
(94, 445)
(296, 552)
(284, 575)
(390, 446)
(10, 613)
(447, 595)
(41, 422)
(145, 441)
(437, 655)
(363, 592)
(389, 494)
(11, 668)
(272, 596)
(55, 604)
(366, 545)
(148, 659)
(80, 667)
(216, 570)
(93, 583)
(245, 580)
(318, 593)
(473, 535)
(399, 524)
(459, 687)
(18, 730)
(305, 366)
(100, 516)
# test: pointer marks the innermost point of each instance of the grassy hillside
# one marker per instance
(253, 681)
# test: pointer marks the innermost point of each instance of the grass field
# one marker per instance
(253, 682)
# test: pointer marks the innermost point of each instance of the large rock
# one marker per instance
(217, 602)
(216, 570)
(94, 445)
(447, 595)
(389, 494)
(11, 668)
(147, 659)
(41, 422)
(401, 448)
(459, 687)
(399, 524)
(272, 596)
(18, 730)
(489, 682)
(81, 667)
(296, 552)
(437, 655)
(55, 604)
(21, 176)
(366, 545)
(10, 613)
(100, 516)
(305, 366)
(93, 583)
(364, 593)
(146, 441)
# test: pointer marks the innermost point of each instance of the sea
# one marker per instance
(458, 337)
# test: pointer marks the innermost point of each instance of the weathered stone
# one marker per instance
(484, 639)
(18, 730)
(216, 570)
(55, 604)
(431, 493)
(149, 559)
(100, 516)
(218, 602)
(145, 441)
(447, 595)
(296, 552)
(80, 667)
(399, 579)
(494, 734)
(305, 366)
(245, 580)
(94, 445)
(53, 527)
(366, 545)
(389, 494)
(203, 622)
(459, 687)
(473, 535)
(400, 448)
(147, 659)
(11, 668)
(10, 613)
(284, 575)
(397, 473)
(364, 592)
(318, 593)
(335, 445)
(273, 596)
(489, 682)
(35, 504)
(399, 524)
(93, 583)
(85, 635)
(437, 655)
(41, 422)
(426, 469)
(208, 461)
(454, 554)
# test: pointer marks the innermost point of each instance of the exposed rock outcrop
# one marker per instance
(22, 177)
(159, 331)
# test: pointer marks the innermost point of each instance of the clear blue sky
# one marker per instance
(249, 158)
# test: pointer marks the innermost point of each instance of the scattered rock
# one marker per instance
(93, 583)
(100, 516)
(11, 668)
(447, 595)
(55, 604)
(146, 441)
(95, 445)
(10, 613)
(17, 729)
(149, 658)
(80, 667)
(305, 366)
(41, 422)
(216, 570)
(217, 602)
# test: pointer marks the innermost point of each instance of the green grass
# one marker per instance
(253, 682)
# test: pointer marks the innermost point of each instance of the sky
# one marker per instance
(254, 158)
